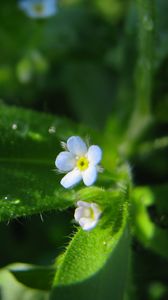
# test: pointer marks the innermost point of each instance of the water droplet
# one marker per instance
(148, 23)
(52, 130)
(6, 198)
(14, 126)
(20, 128)
(11, 199)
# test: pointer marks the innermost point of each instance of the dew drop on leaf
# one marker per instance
(14, 126)
(20, 128)
(6, 198)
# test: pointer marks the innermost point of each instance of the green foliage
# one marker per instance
(35, 277)
(103, 63)
(88, 251)
(146, 231)
(29, 145)
(28, 158)
(11, 289)
(110, 280)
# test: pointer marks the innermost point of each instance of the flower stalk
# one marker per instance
(141, 116)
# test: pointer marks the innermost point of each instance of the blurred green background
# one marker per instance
(80, 64)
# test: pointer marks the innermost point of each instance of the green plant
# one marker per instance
(99, 262)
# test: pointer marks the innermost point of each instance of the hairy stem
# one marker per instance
(141, 116)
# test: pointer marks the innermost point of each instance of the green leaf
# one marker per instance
(111, 280)
(35, 277)
(11, 289)
(147, 232)
(29, 144)
(88, 252)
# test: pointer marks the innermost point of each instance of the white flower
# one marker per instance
(38, 8)
(78, 162)
(87, 214)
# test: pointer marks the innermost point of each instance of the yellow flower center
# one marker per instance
(82, 163)
(92, 215)
(89, 213)
(38, 8)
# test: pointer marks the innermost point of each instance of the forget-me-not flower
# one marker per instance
(79, 162)
(38, 8)
(87, 214)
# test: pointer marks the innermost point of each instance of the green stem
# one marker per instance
(144, 72)
(141, 116)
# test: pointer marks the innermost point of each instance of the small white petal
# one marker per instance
(76, 146)
(96, 209)
(65, 161)
(78, 213)
(82, 212)
(50, 6)
(30, 7)
(87, 224)
(94, 154)
(87, 214)
(24, 5)
(71, 178)
(83, 203)
(89, 175)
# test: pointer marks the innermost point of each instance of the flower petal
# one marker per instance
(48, 8)
(65, 161)
(87, 224)
(97, 211)
(83, 203)
(89, 176)
(76, 146)
(71, 178)
(24, 4)
(78, 213)
(94, 154)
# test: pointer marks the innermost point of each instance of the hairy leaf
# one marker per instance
(89, 251)
(111, 280)
(29, 144)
